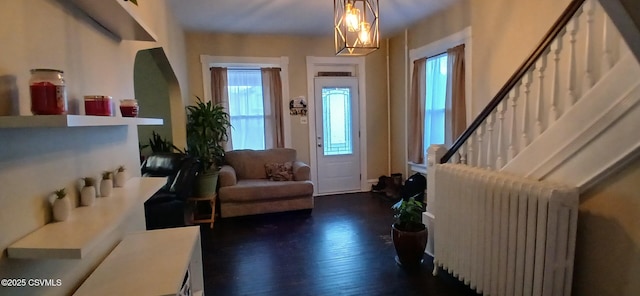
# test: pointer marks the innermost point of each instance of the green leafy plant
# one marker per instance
(158, 144)
(106, 175)
(408, 214)
(88, 181)
(207, 127)
(61, 193)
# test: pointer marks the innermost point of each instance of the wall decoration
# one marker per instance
(298, 106)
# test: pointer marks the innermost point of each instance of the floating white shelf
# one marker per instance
(87, 226)
(149, 263)
(118, 17)
(72, 121)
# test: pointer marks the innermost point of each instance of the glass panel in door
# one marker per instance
(336, 120)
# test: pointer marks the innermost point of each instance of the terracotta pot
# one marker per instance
(409, 246)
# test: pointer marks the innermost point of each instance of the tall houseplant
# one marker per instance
(207, 130)
(408, 232)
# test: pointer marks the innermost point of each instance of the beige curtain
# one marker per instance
(416, 107)
(219, 91)
(273, 121)
(220, 94)
(456, 121)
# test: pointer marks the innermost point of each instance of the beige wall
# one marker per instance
(608, 243)
(505, 32)
(428, 30)
(152, 92)
(36, 161)
(297, 49)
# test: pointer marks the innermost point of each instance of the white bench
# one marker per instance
(150, 263)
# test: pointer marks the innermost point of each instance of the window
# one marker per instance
(252, 90)
(246, 108)
(436, 106)
(435, 100)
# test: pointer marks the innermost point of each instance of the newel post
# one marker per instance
(434, 154)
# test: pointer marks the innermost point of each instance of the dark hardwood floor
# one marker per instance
(342, 248)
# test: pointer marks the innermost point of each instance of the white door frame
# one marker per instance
(312, 68)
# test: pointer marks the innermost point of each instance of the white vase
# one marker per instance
(119, 179)
(106, 185)
(61, 209)
(87, 195)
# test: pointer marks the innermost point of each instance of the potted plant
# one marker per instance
(88, 192)
(106, 185)
(120, 177)
(61, 206)
(207, 126)
(408, 233)
(158, 144)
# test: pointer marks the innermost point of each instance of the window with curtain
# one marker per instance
(436, 111)
(246, 108)
(435, 100)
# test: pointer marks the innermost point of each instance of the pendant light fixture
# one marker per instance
(356, 27)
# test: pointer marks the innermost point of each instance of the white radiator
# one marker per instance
(502, 234)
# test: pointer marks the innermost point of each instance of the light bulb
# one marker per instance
(352, 17)
(363, 34)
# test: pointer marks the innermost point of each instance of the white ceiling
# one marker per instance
(291, 17)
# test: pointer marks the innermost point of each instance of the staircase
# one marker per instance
(569, 114)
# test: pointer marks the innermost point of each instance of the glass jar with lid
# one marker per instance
(48, 92)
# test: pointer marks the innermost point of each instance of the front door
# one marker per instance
(337, 134)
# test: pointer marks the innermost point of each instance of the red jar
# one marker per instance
(98, 105)
(48, 93)
(129, 108)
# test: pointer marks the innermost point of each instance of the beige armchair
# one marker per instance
(246, 189)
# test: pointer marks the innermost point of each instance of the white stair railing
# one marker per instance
(582, 52)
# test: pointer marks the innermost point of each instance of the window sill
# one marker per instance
(418, 167)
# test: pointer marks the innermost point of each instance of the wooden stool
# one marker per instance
(212, 200)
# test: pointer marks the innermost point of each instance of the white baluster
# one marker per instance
(470, 159)
(489, 140)
(513, 98)
(540, 66)
(526, 81)
(607, 59)
(572, 29)
(556, 46)
(588, 7)
(501, 109)
(463, 152)
(479, 132)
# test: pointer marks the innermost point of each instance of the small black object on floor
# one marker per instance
(343, 247)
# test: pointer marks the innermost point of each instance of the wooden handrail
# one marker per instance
(551, 35)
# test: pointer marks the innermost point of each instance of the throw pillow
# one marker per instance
(279, 171)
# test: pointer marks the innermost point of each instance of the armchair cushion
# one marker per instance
(279, 171)
(301, 171)
(249, 164)
(253, 190)
(227, 176)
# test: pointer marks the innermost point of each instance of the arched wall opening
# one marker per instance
(158, 93)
